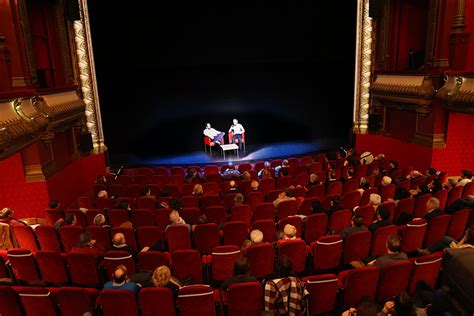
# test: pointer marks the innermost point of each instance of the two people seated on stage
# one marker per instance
(237, 130)
(216, 136)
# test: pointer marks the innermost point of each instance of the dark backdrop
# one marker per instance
(284, 70)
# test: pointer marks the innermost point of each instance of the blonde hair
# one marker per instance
(256, 236)
(174, 216)
(99, 219)
(386, 180)
(198, 189)
(375, 199)
(289, 231)
(161, 276)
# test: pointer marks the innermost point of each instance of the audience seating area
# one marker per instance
(47, 279)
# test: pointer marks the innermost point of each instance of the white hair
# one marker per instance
(256, 236)
(386, 180)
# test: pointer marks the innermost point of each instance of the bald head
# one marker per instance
(120, 274)
(118, 239)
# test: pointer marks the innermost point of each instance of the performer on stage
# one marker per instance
(215, 136)
(237, 130)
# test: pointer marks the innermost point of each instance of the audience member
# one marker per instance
(432, 207)
(363, 185)
(175, 220)
(461, 204)
(119, 243)
(69, 219)
(386, 181)
(283, 169)
(6, 217)
(317, 207)
(357, 224)
(447, 242)
(313, 180)
(451, 183)
(266, 172)
(99, 220)
(254, 185)
(285, 195)
(120, 281)
(232, 187)
(162, 278)
(88, 245)
(246, 176)
(241, 273)
(336, 205)
(239, 199)
(197, 190)
(383, 218)
(393, 253)
(102, 194)
(466, 177)
(365, 308)
(192, 176)
(289, 233)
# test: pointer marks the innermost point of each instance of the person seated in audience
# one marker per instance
(175, 219)
(331, 178)
(254, 186)
(402, 304)
(414, 174)
(282, 284)
(146, 193)
(54, 205)
(200, 220)
(120, 281)
(239, 199)
(317, 207)
(336, 205)
(289, 233)
(431, 172)
(393, 166)
(349, 174)
(120, 244)
(363, 185)
(231, 173)
(69, 219)
(420, 190)
(101, 179)
(450, 183)
(357, 224)
(393, 254)
(102, 194)
(466, 177)
(240, 274)
(88, 245)
(125, 205)
(197, 190)
(432, 207)
(461, 204)
(256, 237)
(162, 278)
(313, 180)
(366, 307)
(285, 195)
(99, 220)
(175, 204)
(375, 200)
(380, 157)
(382, 219)
(386, 181)
(216, 136)
(246, 176)
(283, 169)
(266, 172)
(6, 217)
(400, 194)
(192, 176)
(447, 242)
(232, 187)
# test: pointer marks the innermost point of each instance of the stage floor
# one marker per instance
(252, 154)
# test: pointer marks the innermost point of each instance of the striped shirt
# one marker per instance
(277, 293)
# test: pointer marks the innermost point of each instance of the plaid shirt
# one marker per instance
(278, 291)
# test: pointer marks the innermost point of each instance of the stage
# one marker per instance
(252, 154)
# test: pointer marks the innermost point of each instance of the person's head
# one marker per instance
(336, 201)
(317, 207)
(313, 178)
(452, 183)
(289, 231)
(6, 212)
(393, 244)
(118, 239)
(241, 266)
(145, 191)
(285, 266)
(256, 236)
(102, 194)
(201, 220)
(364, 183)
(175, 204)
(386, 180)
(332, 175)
(232, 184)
(432, 204)
(99, 220)
(423, 188)
(120, 274)
(239, 198)
(254, 185)
(357, 220)
(246, 176)
(415, 174)
(70, 219)
(380, 157)
(383, 212)
(375, 199)
(466, 174)
(366, 308)
(174, 217)
(197, 189)
(393, 164)
(350, 172)
(208, 125)
(267, 164)
(84, 239)
(285, 163)
(54, 204)
(401, 193)
(404, 305)
(124, 205)
(235, 121)
(430, 171)
(161, 276)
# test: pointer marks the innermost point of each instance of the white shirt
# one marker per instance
(237, 129)
(463, 182)
(211, 132)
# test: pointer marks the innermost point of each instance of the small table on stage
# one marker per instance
(229, 147)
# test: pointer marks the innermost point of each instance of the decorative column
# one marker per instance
(458, 22)
(363, 68)
(87, 75)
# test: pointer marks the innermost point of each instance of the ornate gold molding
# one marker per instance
(389, 86)
(87, 75)
(457, 94)
(363, 68)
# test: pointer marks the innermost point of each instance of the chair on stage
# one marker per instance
(208, 143)
(243, 139)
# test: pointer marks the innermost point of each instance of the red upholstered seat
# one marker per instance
(52, 267)
(317, 191)
(340, 220)
(52, 216)
(23, 265)
(118, 216)
(206, 237)
(25, 237)
(185, 263)
(387, 192)
(316, 226)
(235, 233)
(37, 301)
(365, 198)
(284, 182)
(420, 205)
(358, 283)
(9, 304)
(156, 299)
(101, 235)
(334, 188)
(69, 235)
(84, 202)
(48, 238)
(292, 220)
(322, 293)
(146, 203)
(393, 279)
(242, 213)
(216, 215)
(178, 237)
(458, 224)
(264, 211)
(404, 206)
(350, 185)
(379, 239)
(437, 228)
(74, 301)
(129, 235)
(196, 300)
(412, 235)
(367, 212)
(287, 208)
(357, 246)
(454, 194)
(149, 260)
(222, 261)
(266, 185)
(117, 302)
(148, 236)
(261, 258)
(142, 217)
(267, 227)
(295, 250)
(83, 269)
(113, 259)
(425, 268)
(245, 299)
(350, 200)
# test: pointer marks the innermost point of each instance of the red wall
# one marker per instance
(30, 199)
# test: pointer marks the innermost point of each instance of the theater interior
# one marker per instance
(349, 113)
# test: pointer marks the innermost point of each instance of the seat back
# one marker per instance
(83, 269)
(216, 214)
(52, 267)
(266, 186)
(75, 301)
(146, 203)
(117, 217)
(406, 205)
(425, 268)
(148, 236)
(322, 293)
(379, 239)
(23, 264)
(117, 302)
(162, 217)
(458, 224)
(268, 228)
(53, 215)
(437, 228)
(350, 200)
(350, 185)
(148, 261)
(367, 212)
(334, 188)
(223, 258)
(287, 208)
(327, 252)
(359, 283)
(387, 192)
(357, 246)
(196, 300)
(9, 304)
(101, 235)
(340, 220)
(261, 258)
(25, 237)
(206, 237)
(156, 299)
(37, 301)
(284, 182)
(48, 238)
(412, 235)
(113, 259)
(442, 196)
(454, 194)
(142, 217)
(187, 263)
(316, 226)
(178, 237)
(365, 198)
(292, 220)
(245, 299)
(264, 211)
(190, 214)
(235, 233)
(393, 279)
(242, 213)
(420, 205)
(295, 250)
(254, 198)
